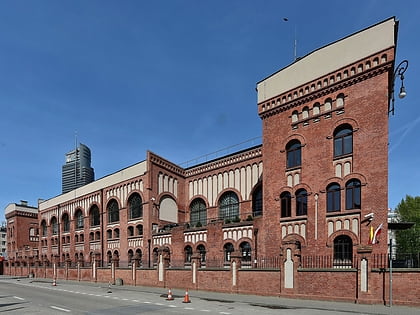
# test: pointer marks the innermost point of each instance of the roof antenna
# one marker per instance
(285, 19)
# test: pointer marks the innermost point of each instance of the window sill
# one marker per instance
(343, 156)
(291, 219)
(293, 168)
(343, 213)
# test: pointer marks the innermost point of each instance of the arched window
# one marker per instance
(139, 256)
(202, 250)
(130, 255)
(353, 194)
(188, 253)
(66, 222)
(343, 140)
(301, 202)
(155, 256)
(109, 257)
(54, 226)
(305, 112)
(293, 151)
(340, 100)
(327, 104)
(117, 233)
(286, 204)
(228, 249)
(198, 212)
(245, 251)
(113, 211)
(94, 216)
(130, 231)
(257, 204)
(139, 229)
(295, 116)
(79, 219)
(316, 109)
(229, 206)
(333, 197)
(136, 206)
(109, 234)
(343, 252)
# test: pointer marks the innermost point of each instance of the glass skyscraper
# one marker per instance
(77, 171)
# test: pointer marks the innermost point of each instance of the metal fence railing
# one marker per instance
(328, 262)
(399, 260)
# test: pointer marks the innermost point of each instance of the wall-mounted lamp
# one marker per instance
(399, 72)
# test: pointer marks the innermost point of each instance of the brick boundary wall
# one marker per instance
(336, 285)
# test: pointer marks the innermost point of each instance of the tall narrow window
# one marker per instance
(301, 202)
(94, 216)
(135, 206)
(333, 197)
(343, 252)
(130, 255)
(229, 206)
(245, 251)
(202, 250)
(188, 253)
(113, 211)
(257, 204)
(79, 219)
(228, 249)
(343, 140)
(54, 226)
(198, 213)
(66, 222)
(353, 194)
(286, 204)
(44, 228)
(293, 151)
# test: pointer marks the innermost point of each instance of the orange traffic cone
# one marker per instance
(170, 297)
(186, 297)
(54, 282)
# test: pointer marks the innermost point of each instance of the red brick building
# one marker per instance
(301, 205)
(22, 230)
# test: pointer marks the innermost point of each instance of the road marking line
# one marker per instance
(59, 308)
(19, 298)
(204, 310)
(136, 301)
(171, 305)
(188, 308)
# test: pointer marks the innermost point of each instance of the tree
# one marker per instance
(408, 241)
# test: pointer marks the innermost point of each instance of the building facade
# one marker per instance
(77, 170)
(301, 205)
(22, 231)
(3, 241)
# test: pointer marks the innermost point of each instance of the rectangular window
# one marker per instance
(338, 145)
(348, 144)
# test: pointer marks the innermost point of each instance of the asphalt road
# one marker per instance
(40, 296)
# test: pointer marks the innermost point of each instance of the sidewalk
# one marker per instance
(255, 300)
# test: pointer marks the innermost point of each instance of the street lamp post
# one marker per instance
(399, 72)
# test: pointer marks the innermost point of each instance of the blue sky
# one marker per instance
(176, 77)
